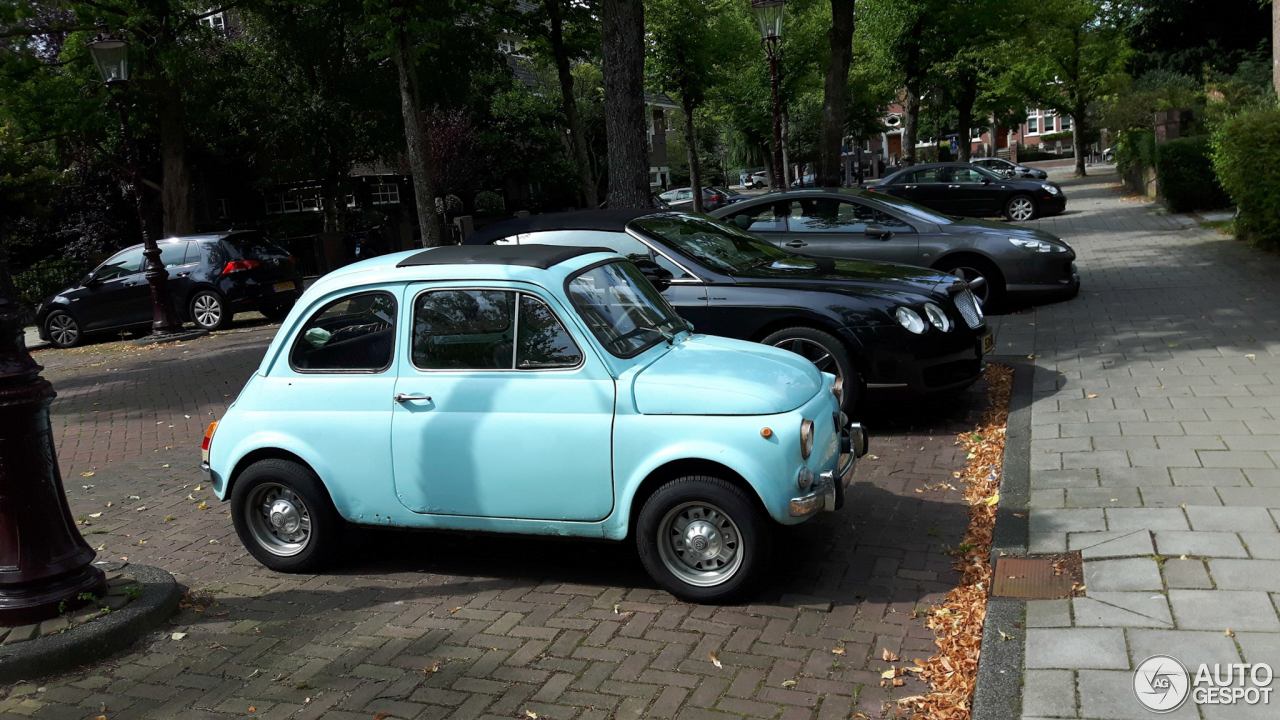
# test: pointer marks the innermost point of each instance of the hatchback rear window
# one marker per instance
(248, 247)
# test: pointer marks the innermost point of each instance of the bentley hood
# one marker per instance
(708, 375)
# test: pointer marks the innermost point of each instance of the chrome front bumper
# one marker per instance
(827, 492)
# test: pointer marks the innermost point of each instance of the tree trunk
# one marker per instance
(691, 147)
(175, 194)
(1077, 133)
(964, 122)
(625, 126)
(572, 119)
(834, 97)
(770, 170)
(1275, 47)
(910, 122)
(786, 151)
(424, 195)
(994, 130)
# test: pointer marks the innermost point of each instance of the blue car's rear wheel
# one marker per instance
(284, 516)
(703, 540)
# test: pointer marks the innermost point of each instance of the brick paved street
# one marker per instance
(1154, 452)
(509, 626)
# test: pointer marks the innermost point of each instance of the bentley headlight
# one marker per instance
(806, 438)
(910, 320)
(805, 478)
(937, 318)
(1036, 245)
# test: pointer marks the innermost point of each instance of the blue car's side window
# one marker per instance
(542, 341)
(480, 330)
(352, 334)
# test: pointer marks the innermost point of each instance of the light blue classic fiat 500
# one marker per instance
(526, 389)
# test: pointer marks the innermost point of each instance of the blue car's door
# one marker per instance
(500, 410)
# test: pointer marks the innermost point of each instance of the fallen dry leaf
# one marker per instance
(178, 636)
(1229, 633)
(891, 672)
(898, 682)
(838, 651)
(887, 656)
(253, 709)
(714, 660)
(788, 683)
(1092, 397)
(531, 714)
(86, 474)
(381, 715)
(455, 609)
(95, 515)
(433, 667)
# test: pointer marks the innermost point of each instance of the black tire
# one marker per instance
(1013, 208)
(972, 267)
(268, 483)
(801, 340)
(208, 310)
(63, 329)
(749, 529)
(276, 313)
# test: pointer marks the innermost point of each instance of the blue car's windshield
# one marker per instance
(622, 309)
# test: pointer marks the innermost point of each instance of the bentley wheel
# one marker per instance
(64, 331)
(208, 311)
(703, 539)
(284, 516)
(1020, 208)
(985, 281)
(826, 352)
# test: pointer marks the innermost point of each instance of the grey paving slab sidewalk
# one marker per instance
(1156, 452)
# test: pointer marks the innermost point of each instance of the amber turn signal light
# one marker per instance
(766, 433)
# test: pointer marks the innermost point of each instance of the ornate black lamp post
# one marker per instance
(769, 17)
(111, 55)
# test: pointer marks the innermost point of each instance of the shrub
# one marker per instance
(1135, 152)
(46, 278)
(1246, 158)
(1185, 175)
(489, 203)
(1034, 155)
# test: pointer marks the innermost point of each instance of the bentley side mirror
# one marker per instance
(742, 221)
(876, 230)
(657, 275)
(986, 181)
(88, 281)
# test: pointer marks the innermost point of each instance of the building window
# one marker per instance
(290, 203)
(386, 194)
(275, 204)
(351, 201)
(216, 22)
(220, 206)
(311, 203)
(1032, 125)
(507, 46)
(1065, 122)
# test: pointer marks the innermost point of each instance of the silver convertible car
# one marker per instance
(1000, 261)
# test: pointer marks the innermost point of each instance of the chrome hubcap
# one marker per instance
(813, 352)
(63, 329)
(978, 284)
(207, 310)
(278, 519)
(699, 544)
(1020, 209)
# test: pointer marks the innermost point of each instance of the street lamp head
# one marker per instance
(769, 17)
(111, 55)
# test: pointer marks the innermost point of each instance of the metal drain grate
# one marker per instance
(1033, 578)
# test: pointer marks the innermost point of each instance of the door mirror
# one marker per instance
(986, 181)
(87, 280)
(876, 230)
(657, 276)
(1009, 173)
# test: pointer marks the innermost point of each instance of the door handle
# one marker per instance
(130, 284)
(796, 243)
(402, 398)
(184, 274)
(953, 186)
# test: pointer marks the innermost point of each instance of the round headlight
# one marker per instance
(938, 318)
(806, 438)
(805, 478)
(908, 319)
(837, 389)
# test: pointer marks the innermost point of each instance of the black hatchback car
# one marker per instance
(874, 326)
(965, 189)
(211, 277)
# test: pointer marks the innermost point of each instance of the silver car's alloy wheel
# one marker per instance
(700, 544)
(206, 310)
(1021, 209)
(813, 352)
(64, 330)
(978, 284)
(278, 519)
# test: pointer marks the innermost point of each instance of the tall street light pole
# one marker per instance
(769, 17)
(111, 55)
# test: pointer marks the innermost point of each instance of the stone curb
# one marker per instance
(998, 692)
(98, 639)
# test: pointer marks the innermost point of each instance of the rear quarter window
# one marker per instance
(251, 248)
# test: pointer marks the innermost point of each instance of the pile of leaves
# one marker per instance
(958, 622)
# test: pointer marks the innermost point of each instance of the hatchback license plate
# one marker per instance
(281, 287)
(988, 343)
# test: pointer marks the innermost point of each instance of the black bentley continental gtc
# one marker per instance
(876, 326)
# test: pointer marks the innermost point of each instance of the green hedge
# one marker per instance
(47, 277)
(1246, 157)
(1185, 175)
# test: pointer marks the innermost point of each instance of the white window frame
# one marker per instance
(216, 22)
(385, 193)
(1033, 127)
(1065, 122)
(274, 204)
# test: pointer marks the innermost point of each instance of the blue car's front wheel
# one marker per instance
(284, 516)
(702, 539)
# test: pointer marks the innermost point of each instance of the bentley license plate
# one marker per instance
(281, 287)
(988, 343)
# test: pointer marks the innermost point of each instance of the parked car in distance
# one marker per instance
(759, 179)
(682, 198)
(211, 277)
(730, 196)
(998, 260)
(527, 390)
(875, 326)
(1000, 166)
(965, 189)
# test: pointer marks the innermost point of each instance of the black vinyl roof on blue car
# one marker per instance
(542, 257)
